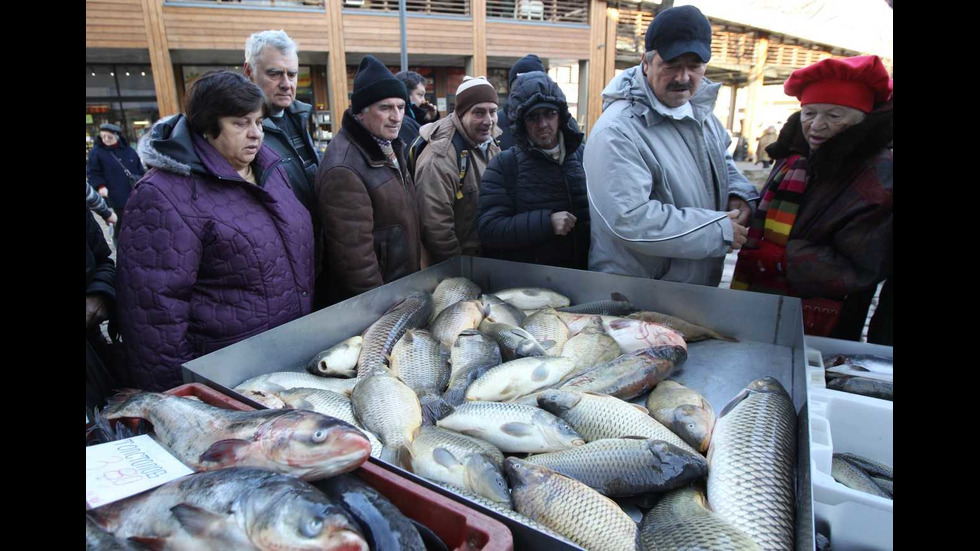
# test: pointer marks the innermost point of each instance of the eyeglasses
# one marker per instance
(535, 116)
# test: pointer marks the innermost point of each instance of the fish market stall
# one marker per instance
(768, 329)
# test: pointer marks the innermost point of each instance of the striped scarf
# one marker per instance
(772, 224)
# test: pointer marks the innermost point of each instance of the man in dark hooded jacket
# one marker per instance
(523, 65)
(533, 201)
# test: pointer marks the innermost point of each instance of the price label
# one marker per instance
(120, 469)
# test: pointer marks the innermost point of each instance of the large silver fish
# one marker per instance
(853, 477)
(512, 428)
(590, 347)
(545, 325)
(385, 527)
(423, 364)
(233, 508)
(450, 291)
(455, 319)
(501, 311)
(682, 520)
(570, 508)
(382, 335)
(629, 375)
(446, 456)
(690, 331)
(339, 360)
(532, 298)
(618, 306)
(331, 404)
(204, 437)
(516, 378)
(472, 355)
(597, 416)
(277, 381)
(626, 466)
(390, 409)
(751, 460)
(683, 411)
(514, 342)
(631, 334)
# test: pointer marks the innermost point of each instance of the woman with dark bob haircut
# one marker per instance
(215, 246)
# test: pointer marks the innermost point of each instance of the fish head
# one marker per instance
(767, 384)
(557, 401)
(318, 365)
(693, 424)
(557, 432)
(302, 519)
(322, 446)
(521, 473)
(483, 477)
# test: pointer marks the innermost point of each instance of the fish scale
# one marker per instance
(571, 508)
(389, 408)
(420, 362)
(751, 459)
(450, 291)
(597, 416)
(382, 335)
(545, 325)
(681, 521)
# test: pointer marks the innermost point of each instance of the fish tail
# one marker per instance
(721, 337)
(128, 402)
(435, 407)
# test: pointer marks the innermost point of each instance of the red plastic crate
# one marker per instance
(461, 528)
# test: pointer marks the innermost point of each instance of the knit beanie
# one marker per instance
(472, 91)
(525, 64)
(374, 82)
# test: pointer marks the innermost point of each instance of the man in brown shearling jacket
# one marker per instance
(448, 208)
(365, 194)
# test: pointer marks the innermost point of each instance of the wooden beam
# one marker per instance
(612, 19)
(756, 81)
(597, 61)
(163, 73)
(479, 12)
(336, 66)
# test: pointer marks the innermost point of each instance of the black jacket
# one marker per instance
(100, 279)
(506, 139)
(409, 131)
(522, 187)
(105, 169)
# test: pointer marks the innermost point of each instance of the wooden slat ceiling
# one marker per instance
(427, 7)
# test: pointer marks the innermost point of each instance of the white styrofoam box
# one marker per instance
(842, 422)
(818, 347)
(815, 375)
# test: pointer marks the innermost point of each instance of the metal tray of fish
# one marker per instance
(769, 330)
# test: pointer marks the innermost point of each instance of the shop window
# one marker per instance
(304, 81)
(135, 80)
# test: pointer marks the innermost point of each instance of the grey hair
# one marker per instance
(277, 39)
(648, 57)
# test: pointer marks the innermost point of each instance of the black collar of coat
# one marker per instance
(841, 153)
(363, 139)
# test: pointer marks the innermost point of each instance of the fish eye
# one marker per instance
(312, 528)
(320, 435)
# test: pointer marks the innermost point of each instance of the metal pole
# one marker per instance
(401, 18)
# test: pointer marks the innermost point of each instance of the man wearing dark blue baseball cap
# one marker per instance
(665, 199)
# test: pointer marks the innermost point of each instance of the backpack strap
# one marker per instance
(414, 150)
(462, 160)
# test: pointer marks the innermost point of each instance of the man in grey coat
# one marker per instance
(666, 200)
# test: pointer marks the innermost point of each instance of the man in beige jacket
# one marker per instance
(448, 171)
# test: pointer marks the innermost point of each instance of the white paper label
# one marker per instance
(441, 103)
(117, 470)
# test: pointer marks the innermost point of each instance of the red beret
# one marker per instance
(859, 82)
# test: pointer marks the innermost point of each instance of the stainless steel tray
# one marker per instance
(769, 329)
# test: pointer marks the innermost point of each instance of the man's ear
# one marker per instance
(247, 70)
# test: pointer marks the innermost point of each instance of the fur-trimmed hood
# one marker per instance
(841, 153)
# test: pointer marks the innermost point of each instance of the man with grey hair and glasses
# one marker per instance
(666, 201)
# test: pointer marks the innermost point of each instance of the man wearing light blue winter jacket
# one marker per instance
(666, 200)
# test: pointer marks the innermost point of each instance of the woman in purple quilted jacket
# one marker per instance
(215, 247)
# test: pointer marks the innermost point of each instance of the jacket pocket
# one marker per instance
(391, 249)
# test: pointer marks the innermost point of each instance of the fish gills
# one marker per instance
(618, 467)
(751, 461)
(683, 411)
(682, 521)
(545, 325)
(570, 508)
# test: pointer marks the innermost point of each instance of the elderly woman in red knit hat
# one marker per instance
(823, 229)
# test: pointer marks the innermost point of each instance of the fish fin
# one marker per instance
(117, 405)
(641, 408)
(540, 373)
(434, 407)
(445, 458)
(635, 437)
(153, 544)
(734, 402)
(619, 297)
(224, 451)
(409, 336)
(484, 308)
(619, 323)
(547, 344)
(197, 521)
(517, 429)
(531, 292)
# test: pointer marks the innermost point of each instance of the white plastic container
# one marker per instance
(847, 423)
